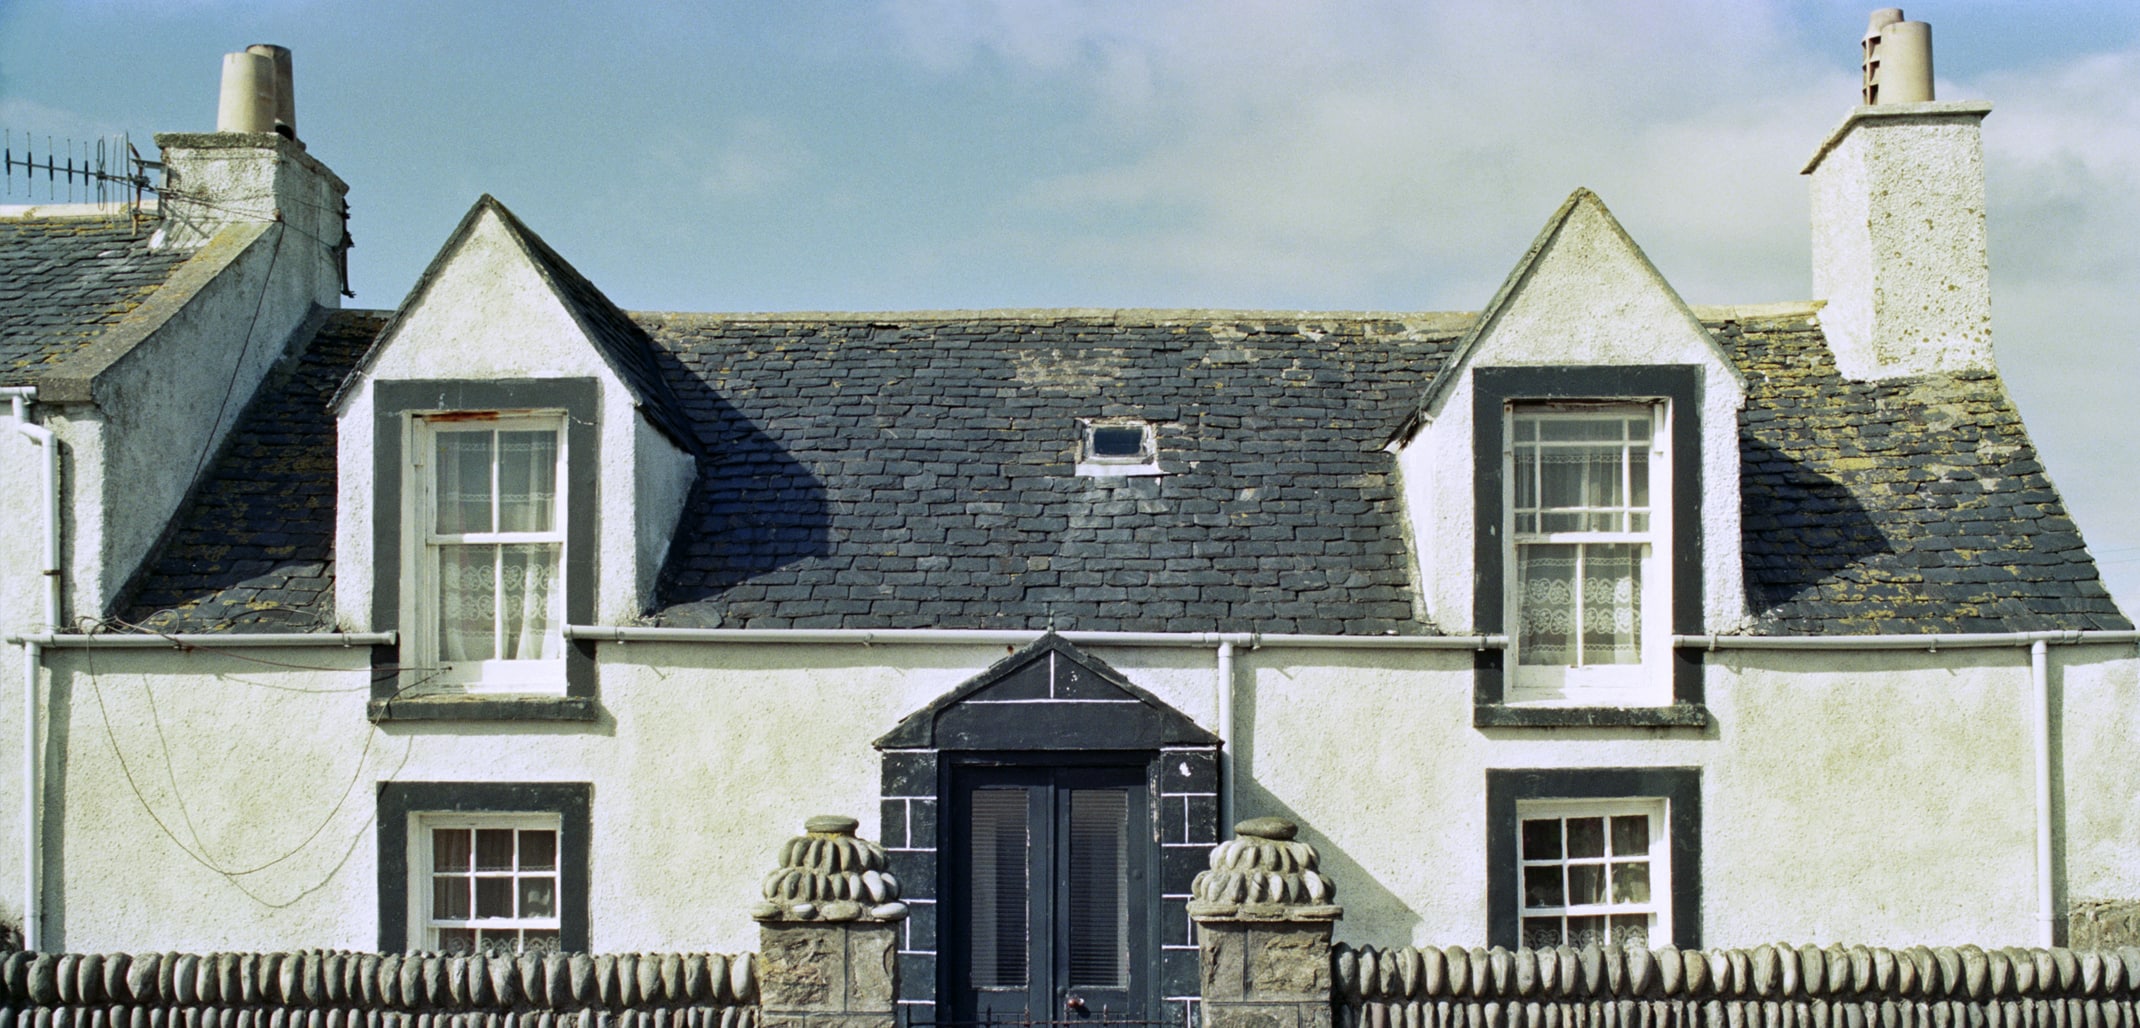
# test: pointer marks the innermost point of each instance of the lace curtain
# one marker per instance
(497, 601)
(1579, 603)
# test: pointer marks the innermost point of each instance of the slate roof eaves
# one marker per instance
(78, 291)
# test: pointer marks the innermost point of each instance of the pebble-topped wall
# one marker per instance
(317, 989)
(1762, 987)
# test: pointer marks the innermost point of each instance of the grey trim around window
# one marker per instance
(1493, 388)
(572, 802)
(1679, 787)
(392, 404)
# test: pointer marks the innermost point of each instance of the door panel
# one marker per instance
(1048, 898)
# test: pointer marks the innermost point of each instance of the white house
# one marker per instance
(509, 618)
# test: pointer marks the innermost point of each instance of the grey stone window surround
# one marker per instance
(572, 802)
(393, 402)
(1679, 787)
(1493, 388)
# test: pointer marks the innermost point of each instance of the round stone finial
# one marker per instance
(1264, 873)
(1267, 828)
(827, 874)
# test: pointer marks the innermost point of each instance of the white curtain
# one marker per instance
(1579, 603)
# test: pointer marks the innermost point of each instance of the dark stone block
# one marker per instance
(1189, 771)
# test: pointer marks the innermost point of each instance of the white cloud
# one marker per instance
(1401, 156)
(1356, 149)
(756, 157)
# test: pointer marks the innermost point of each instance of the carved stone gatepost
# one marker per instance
(1263, 917)
(827, 931)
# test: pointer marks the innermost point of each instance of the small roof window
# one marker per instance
(1117, 446)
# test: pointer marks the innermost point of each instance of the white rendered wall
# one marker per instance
(2099, 731)
(1873, 798)
(490, 315)
(709, 758)
(1590, 298)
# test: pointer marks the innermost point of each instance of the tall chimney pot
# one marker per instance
(285, 118)
(1898, 59)
(247, 102)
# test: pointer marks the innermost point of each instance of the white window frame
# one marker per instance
(1648, 682)
(1092, 464)
(423, 927)
(429, 671)
(1659, 906)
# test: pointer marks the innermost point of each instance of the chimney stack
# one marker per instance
(1899, 253)
(252, 171)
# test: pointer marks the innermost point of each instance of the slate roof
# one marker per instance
(915, 471)
(254, 551)
(910, 473)
(63, 280)
(1903, 506)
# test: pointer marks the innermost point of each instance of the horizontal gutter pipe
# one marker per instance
(990, 636)
(205, 641)
(1933, 643)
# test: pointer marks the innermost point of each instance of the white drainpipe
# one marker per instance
(2040, 680)
(33, 921)
(1226, 753)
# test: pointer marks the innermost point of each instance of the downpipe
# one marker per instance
(33, 921)
(2040, 710)
(1226, 739)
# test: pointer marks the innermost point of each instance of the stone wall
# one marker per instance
(2101, 924)
(318, 989)
(1763, 987)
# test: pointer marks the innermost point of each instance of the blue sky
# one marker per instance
(1323, 154)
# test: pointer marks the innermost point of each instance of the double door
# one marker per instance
(1049, 900)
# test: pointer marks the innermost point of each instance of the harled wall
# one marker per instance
(212, 801)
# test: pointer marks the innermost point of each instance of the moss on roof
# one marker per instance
(64, 280)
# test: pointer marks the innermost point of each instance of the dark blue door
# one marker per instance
(1047, 904)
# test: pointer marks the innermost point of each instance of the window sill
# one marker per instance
(484, 708)
(1502, 715)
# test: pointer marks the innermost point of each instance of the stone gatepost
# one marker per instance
(1263, 917)
(827, 931)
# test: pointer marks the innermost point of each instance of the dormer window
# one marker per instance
(1118, 447)
(492, 548)
(484, 540)
(1588, 536)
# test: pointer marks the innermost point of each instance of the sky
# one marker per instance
(1390, 155)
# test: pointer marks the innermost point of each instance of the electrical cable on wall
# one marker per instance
(197, 852)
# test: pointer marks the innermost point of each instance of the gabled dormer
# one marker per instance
(1572, 478)
(512, 460)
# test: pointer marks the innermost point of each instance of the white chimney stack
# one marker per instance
(253, 173)
(1899, 252)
